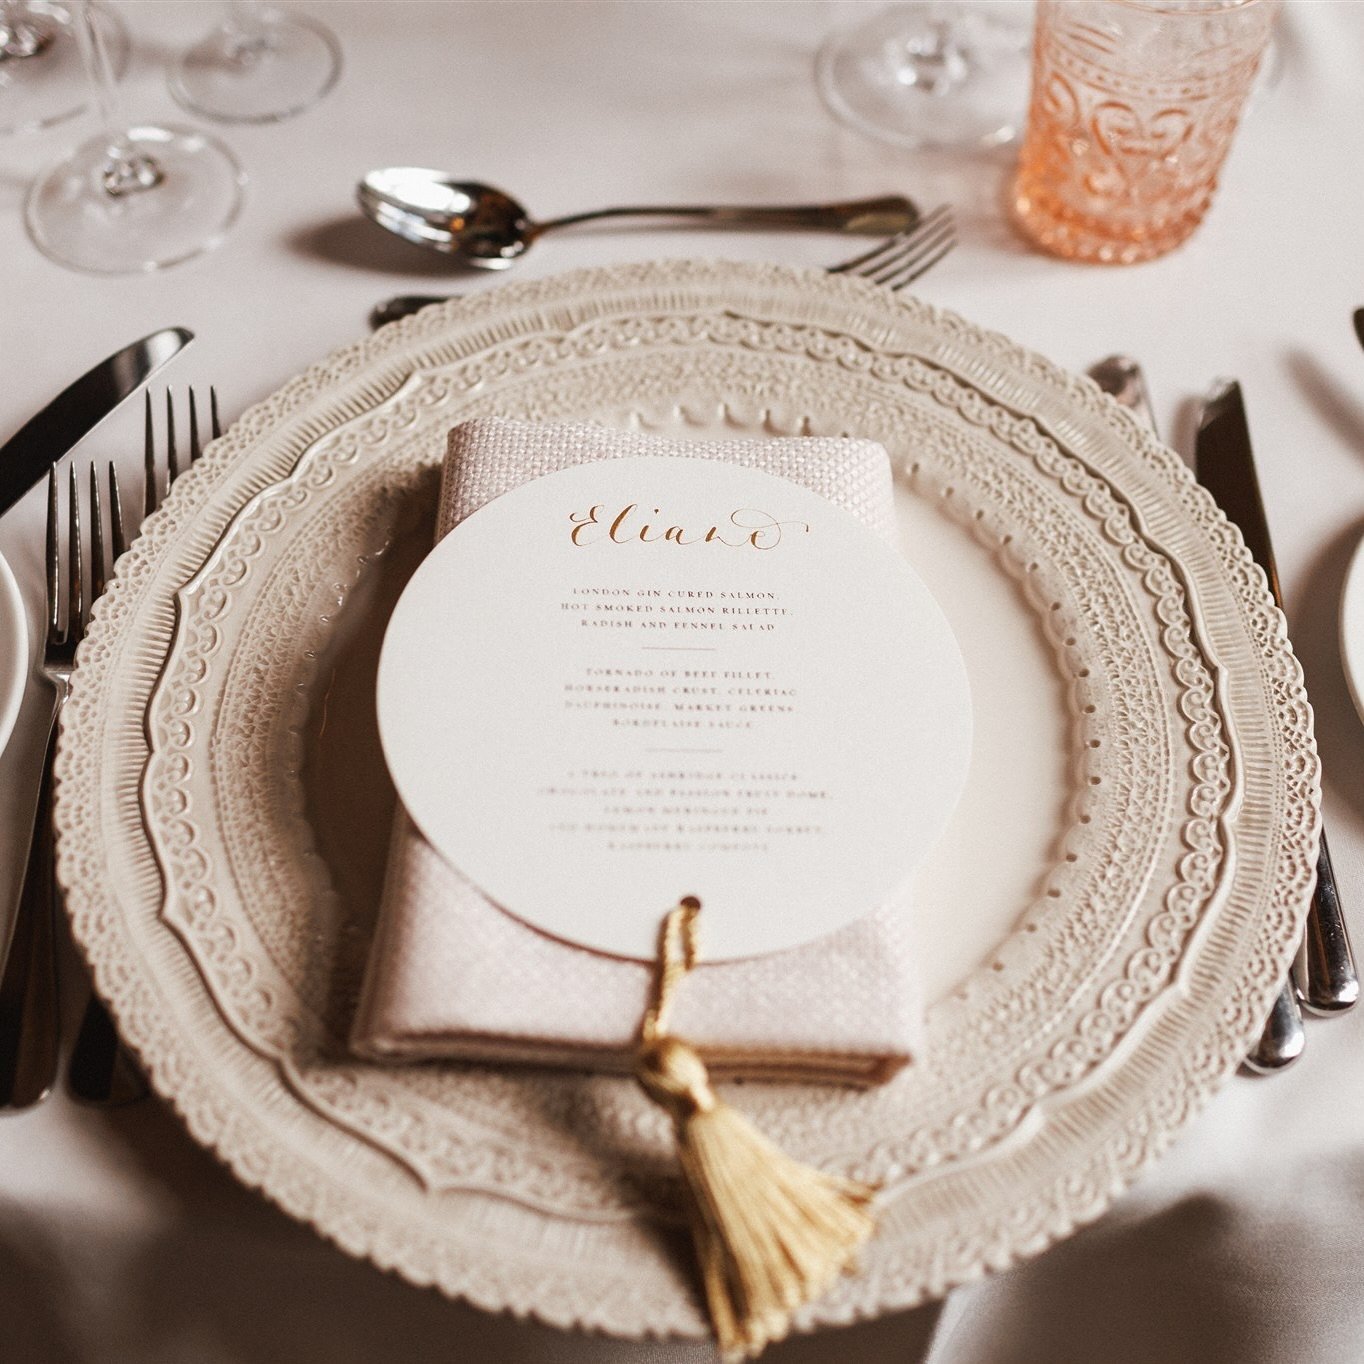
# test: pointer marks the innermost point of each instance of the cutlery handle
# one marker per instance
(29, 1023)
(101, 1071)
(1282, 1040)
(1122, 379)
(884, 216)
(1332, 982)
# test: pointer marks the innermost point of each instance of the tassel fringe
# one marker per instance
(770, 1233)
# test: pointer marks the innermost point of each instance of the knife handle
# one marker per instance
(1332, 982)
(1282, 1040)
(1121, 377)
(29, 1016)
(101, 1071)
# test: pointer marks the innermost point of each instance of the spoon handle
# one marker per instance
(884, 216)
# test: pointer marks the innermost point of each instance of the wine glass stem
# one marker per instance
(245, 29)
(938, 59)
(126, 170)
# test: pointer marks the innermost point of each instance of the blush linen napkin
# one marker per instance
(452, 975)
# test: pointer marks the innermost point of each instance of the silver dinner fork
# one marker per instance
(29, 1023)
(101, 1070)
(896, 262)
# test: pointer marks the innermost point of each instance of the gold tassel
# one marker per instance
(771, 1234)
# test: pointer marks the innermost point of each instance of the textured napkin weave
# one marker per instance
(452, 975)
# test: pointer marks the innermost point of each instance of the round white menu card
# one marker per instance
(639, 679)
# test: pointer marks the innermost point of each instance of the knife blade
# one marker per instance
(80, 407)
(1225, 465)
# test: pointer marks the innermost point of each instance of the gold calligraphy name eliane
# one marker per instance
(746, 528)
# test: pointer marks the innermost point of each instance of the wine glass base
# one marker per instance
(50, 85)
(73, 218)
(930, 74)
(284, 65)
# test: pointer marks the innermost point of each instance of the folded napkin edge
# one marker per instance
(858, 1070)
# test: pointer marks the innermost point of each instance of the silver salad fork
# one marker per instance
(101, 1071)
(896, 262)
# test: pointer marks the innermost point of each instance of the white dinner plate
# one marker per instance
(1352, 627)
(1103, 927)
(13, 651)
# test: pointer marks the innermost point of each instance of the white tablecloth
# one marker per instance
(119, 1239)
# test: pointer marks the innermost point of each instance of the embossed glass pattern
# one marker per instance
(1134, 105)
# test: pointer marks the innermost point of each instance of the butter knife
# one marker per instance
(1281, 1039)
(1226, 467)
(80, 407)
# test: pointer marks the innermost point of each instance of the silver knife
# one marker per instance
(1282, 1038)
(1226, 467)
(28, 454)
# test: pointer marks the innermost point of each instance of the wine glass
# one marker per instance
(259, 65)
(934, 73)
(133, 198)
(42, 80)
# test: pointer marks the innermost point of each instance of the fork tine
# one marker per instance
(935, 228)
(54, 563)
(940, 226)
(914, 263)
(195, 449)
(936, 231)
(931, 223)
(214, 425)
(859, 264)
(75, 555)
(172, 454)
(116, 528)
(99, 574)
(893, 249)
(149, 498)
(921, 267)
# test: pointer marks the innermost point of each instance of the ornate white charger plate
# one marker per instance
(1104, 926)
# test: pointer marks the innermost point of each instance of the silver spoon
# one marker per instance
(488, 228)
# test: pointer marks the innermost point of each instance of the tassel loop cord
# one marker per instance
(678, 953)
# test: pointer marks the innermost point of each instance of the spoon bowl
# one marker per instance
(477, 222)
